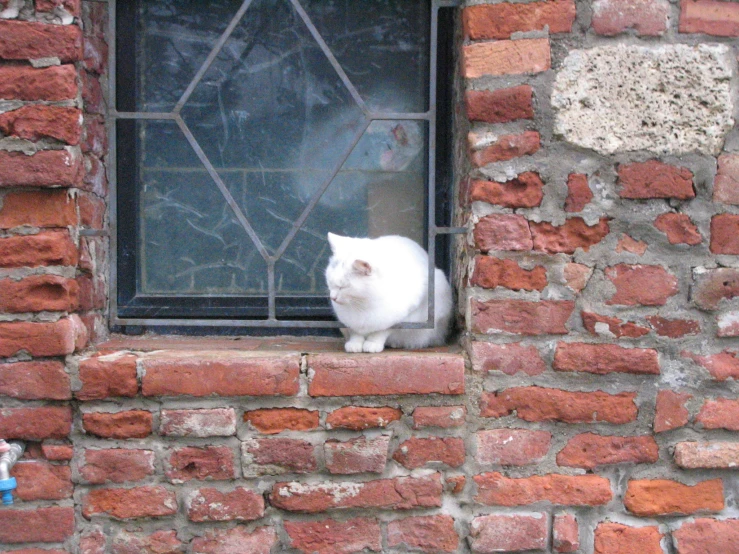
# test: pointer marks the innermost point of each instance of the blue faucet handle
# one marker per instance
(6, 488)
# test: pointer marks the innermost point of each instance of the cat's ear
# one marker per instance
(335, 241)
(362, 268)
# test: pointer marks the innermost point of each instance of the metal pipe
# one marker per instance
(7, 461)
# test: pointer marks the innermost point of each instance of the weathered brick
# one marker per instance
(93, 97)
(521, 317)
(543, 404)
(510, 358)
(508, 533)
(116, 465)
(92, 210)
(439, 416)
(605, 358)
(23, 40)
(494, 489)
(130, 424)
(726, 182)
(108, 375)
(388, 373)
(725, 234)
(238, 539)
(567, 238)
(50, 422)
(358, 455)
(72, 7)
(271, 421)
(215, 422)
(713, 285)
(576, 276)
(400, 493)
(589, 451)
(159, 542)
(671, 412)
(721, 366)
(95, 179)
(46, 208)
(631, 245)
(641, 285)
(565, 533)
(523, 191)
(646, 17)
(494, 272)
(657, 497)
(359, 418)
(503, 232)
(602, 325)
(497, 21)
(52, 524)
(673, 328)
(418, 452)
(424, 533)
(499, 106)
(705, 535)
(93, 542)
(40, 480)
(329, 536)
(46, 168)
(52, 84)
(44, 248)
(512, 447)
(579, 194)
(707, 455)
(507, 147)
(506, 57)
(35, 121)
(615, 538)
(57, 452)
(138, 502)
(679, 229)
(209, 462)
(728, 324)
(721, 413)
(655, 179)
(37, 380)
(711, 17)
(39, 293)
(239, 504)
(222, 373)
(277, 456)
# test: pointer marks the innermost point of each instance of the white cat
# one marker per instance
(377, 283)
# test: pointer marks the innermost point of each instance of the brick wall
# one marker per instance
(591, 407)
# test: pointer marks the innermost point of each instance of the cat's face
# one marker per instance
(349, 278)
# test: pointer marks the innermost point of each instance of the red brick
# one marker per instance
(565, 533)
(92, 211)
(216, 422)
(657, 497)
(674, 328)
(50, 422)
(385, 374)
(44, 248)
(523, 191)
(655, 179)
(567, 238)
(579, 194)
(159, 542)
(503, 232)
(542, 404)
(358, 455)
(95, 54)
(70, 6)
(277, 456)
(576, 276)
(400, 493)
(521, 317)
(454, 484)
(711, 17)
(615, 538)
(500, 106)
(271, 421)
(22, 82)
(42, 481)
(34, 122)
(512, 447)
(725, 234)
(23, 40)
(641, 285)
(38, 380)
(238, 539)
(596, 324)
(46, 168)
(605, 358)
(153, 501)
(106, 376)
(239, 504)
(679, 229)
(209, 462)
(359, 418)
(57, 452)
(721, 413)
(424, 533)
(706, 536)
(721, 366)
(646, 17)
(93, 542)
(38, 550)
(494, 272)
(224, 373)
(116, 465)
(631, 245)
(418, 452)
(92, 93)
(445, 417)
(39, 293)
(496, 21)
(707, 455)
(494, 489)
(131, 424)
(671, 412)
(95, 179)
(589, 451)
(328, 536)
(506, 57)
(53, 524)
(713, 285)
(726, 182)
(508, 533)
(507, 147)
(47, 208)
(510, 358)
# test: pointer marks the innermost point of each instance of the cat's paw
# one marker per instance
(373, 346)
(354, 344)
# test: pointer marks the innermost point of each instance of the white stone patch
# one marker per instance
(338, 491)
(666, 99)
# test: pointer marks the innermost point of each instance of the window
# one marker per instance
(244, 131)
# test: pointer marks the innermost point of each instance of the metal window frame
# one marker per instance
(113, 115)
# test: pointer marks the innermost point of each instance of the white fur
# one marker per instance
(377, 283)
